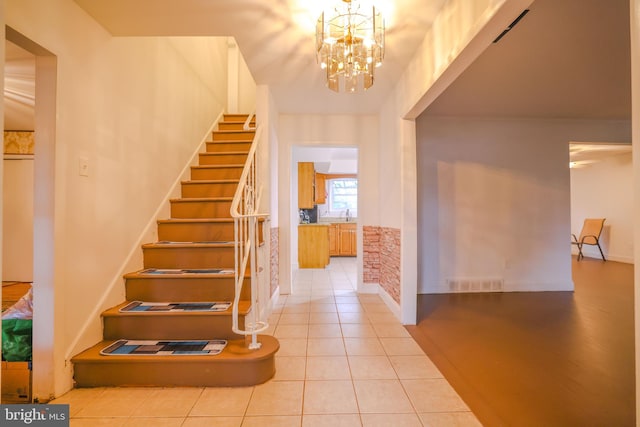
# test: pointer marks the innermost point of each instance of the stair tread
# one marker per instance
(201, 199)
(243, 308)
(227, 141)
(211, 181)
(235, 165)
(236, 351)
(174, 245)
(194, 220)
(226, 273)
(224, 153)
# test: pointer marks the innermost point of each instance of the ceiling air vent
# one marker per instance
(510, 27)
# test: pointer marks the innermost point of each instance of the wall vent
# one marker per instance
(475, 285)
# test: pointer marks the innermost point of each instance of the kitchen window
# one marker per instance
(343, 195)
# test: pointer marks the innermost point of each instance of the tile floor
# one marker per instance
(344, 361)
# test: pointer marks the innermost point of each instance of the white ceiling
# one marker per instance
(564, 59)
(277, 39)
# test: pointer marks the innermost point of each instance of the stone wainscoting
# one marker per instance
(381, 258)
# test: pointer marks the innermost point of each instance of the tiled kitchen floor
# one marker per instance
(344, 361)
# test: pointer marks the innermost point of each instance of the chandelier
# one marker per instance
(350, 45)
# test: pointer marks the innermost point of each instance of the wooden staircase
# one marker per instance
(193, 261)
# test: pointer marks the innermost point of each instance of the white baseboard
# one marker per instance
(369, 288)
(390, 302)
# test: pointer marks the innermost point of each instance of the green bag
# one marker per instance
(16, 339)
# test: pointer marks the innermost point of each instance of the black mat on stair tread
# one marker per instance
(164, 307)
(164, 348)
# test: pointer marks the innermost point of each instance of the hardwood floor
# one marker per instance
(539, 359)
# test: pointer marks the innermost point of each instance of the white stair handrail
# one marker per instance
(244, 211)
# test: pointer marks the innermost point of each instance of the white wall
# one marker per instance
(494, 200)
(635, 109)
(135, 108)
(17, 217)
(317, 131)
(603, 190)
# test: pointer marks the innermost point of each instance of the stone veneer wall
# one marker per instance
(275, 259)
(390, 262)
(381, 258)
(371, 254)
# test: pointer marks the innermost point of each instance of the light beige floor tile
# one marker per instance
(137, 393)
(357, 330)
(277, 398)
(295, 308)
(322, 299)
(97, 422)
(294, 319)
(76, 402)
(329, 397)
(323, 307)
(168, 402)
(290, 368)
(153, 422)
(213, 421)
(110, 407)
(382, 396)
(433, 395)
(325, 347)
(292, 331)
(331, 317)
(377, 317)
(343, 299)
(325, 330)
(401, 347)
(353, 318)
(227, 401)
(292, 347)
(390, 330)
(370, 298)
(272, 421)
(376, 307)
(345, 420)
(363, 347)
(414, 367)
(349, 308)
(371, 368)
(450, 419)
(387, 420)
(328, 368)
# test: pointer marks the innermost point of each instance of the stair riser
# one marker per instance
(162, 289)
(237, 135)
(204, 189)
(236, 125)
(215, 173)
(189, 257)
(196, 232)
(169, 327)
(234, 117)
(200, 209)
(218, 147)
(211, 159)
(188, 373)
(192, 232)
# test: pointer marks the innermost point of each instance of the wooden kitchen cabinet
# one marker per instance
(306, 185)
(334, 239)
(321, 189)
(313, 246)
(342, 239)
